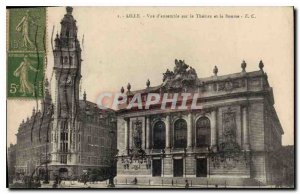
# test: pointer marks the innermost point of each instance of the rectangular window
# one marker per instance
(64, 136)
(178, 167)
(201, 168)
(156, 168)
(89, 139)
(66, 147)
(63, 159)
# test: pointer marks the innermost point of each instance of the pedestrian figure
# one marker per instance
(135, 180)
(85, 179)
(187, 184)
(54, 185)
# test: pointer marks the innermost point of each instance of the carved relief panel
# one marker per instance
(137, 133)
(230, 125)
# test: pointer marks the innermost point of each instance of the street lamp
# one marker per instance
(184, 155)
(49, 113)
(46, 181)
(112, 156)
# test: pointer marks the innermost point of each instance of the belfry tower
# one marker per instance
(67, 69)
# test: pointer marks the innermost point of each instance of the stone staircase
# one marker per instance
(193, 182)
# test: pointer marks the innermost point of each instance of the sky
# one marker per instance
(118, 50)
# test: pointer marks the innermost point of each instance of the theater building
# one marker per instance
(232, 134)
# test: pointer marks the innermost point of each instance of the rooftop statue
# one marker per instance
(182, 76)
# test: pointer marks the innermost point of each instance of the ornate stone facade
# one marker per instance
(226, 137)
(69, 135)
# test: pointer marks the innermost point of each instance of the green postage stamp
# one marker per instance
(27, 29)
(25, 74)
(26, 51)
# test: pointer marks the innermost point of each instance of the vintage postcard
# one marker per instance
(150, 97)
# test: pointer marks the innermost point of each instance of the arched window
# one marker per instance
(180, 133)
(159, 135)
(203, 132)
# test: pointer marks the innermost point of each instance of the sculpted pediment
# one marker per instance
(182, 76)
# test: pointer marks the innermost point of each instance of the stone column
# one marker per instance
(168, 132)
(245, 128)
(162, 167)
(126, 134)
(57, 123)
(148, 133)
(213, 128)
(69, 137)
(189, 131)
(143, 134)
(130, 130)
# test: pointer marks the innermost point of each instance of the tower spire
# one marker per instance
(67, 67)
(69, 10)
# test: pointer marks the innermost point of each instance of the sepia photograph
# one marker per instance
(150, 97)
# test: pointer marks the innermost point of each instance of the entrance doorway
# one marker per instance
(178, 167)
(201, 167)
(156, 167)
(41, 172)
(63, 172)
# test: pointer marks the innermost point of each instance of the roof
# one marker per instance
(88, 106)
(200, 81)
